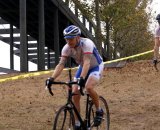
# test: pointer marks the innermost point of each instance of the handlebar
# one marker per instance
(69, 84)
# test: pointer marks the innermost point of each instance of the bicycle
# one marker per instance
(64, 119)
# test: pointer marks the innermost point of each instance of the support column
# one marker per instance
(23, 37)
(48, 58)
(41, 41)
(11, 48)
(84, 20)
(69, 61)
(90, 28)
(76, 11)
(56, 36)
(67, 2)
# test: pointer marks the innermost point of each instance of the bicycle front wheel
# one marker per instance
(106, 117)
(64, 119)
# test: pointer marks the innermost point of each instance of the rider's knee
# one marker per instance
(89, 88)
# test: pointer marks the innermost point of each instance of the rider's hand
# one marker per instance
(81, 82)
(49, 82)
(155, 61)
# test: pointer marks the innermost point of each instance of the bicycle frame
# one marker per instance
(86, 123)
(70, 105)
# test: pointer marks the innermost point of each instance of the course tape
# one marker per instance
(129, 57)
(24, 76)
(46, 72)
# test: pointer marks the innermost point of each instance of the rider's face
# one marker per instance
(72, 41)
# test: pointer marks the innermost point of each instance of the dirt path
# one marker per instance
(133, 95)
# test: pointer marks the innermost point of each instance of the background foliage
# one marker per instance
(124, 26)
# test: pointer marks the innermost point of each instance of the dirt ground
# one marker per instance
(132, 93)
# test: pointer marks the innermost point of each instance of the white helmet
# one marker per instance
(71, 31)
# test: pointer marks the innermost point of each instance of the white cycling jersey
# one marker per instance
(85, 46)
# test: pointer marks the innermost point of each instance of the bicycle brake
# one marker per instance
(50, 90)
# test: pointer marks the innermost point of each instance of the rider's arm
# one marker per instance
(86, 65)
(156, 47)
(59, 67)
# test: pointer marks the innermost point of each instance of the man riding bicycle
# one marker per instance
(90, 69)
(157, 40)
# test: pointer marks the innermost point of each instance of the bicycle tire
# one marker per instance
(64, 119)
(105, 124)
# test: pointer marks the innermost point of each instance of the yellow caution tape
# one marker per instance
(46, 72)
(21, 76)
(129, 57)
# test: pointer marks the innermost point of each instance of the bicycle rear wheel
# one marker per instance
(106, 117)
(64, 119)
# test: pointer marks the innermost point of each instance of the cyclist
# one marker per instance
(90, 69)
(157, 40)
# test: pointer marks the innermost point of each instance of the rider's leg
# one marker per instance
(92, 81)
(90, 84)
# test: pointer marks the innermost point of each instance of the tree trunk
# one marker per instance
(98, 28)
(107, 41)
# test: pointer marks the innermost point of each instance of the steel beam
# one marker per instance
(30, 45)
(29, 51)
(7, 31)
(56, 36)
(23, 37)
(11, 48)
(41, 41)
(35, 56)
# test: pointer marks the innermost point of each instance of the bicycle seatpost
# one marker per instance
(70, 74)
